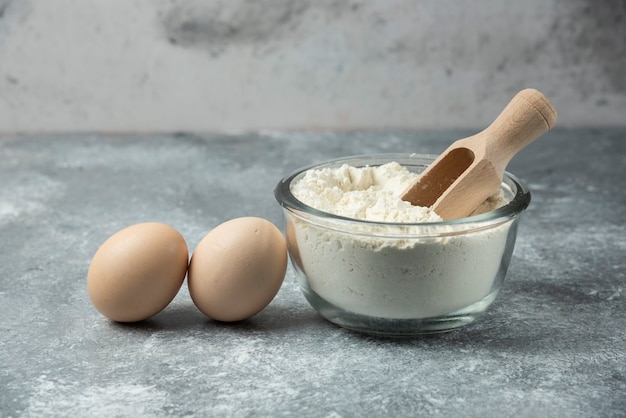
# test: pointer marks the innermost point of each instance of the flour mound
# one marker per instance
(366, 193)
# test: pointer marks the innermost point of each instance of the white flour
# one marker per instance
(369, 193)
(390, 278)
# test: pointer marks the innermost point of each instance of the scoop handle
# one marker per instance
(527, 116)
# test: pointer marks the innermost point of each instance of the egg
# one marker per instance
(237, 269)
(137, 271)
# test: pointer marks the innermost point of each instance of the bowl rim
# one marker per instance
(286, 199)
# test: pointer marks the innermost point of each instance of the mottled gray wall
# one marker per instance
(167, 65)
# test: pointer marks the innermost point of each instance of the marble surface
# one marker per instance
(553, 343)
(214, 65)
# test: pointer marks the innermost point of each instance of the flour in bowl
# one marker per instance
(369, 193)
(359, 268)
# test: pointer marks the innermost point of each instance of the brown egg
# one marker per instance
(237, 269)
(137, 271)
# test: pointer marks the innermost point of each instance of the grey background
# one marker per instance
(195, 65)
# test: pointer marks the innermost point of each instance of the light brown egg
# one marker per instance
(137, 271)
(237, 269)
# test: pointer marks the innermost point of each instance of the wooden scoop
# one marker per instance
(471, 169)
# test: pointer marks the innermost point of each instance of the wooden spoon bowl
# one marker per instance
(471, 169)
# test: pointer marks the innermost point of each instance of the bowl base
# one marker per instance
(392, 327)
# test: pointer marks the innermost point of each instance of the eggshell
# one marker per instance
(137, 271)
(237, 269)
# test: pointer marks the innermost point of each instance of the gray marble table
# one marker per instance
(553, 343)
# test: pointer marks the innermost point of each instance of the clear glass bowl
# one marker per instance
(399, 278)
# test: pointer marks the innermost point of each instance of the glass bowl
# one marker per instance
(399, 278)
